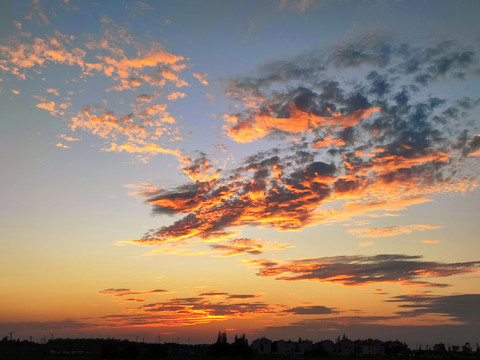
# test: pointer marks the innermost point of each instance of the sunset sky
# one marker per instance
(279, 168)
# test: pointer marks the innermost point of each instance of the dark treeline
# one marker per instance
(239, 348)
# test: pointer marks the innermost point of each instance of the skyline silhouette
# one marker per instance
(269, 168)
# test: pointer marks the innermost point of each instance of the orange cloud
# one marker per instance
(201, 77)
(201, 309)
(266, 192)
(135, 133)
(60, 145)
(176, 95)
(53, 108)
(259, 124)
(67, 138)
(53, 91)
(20, 57)
(367, 243)
(50, 106)
(328, 142)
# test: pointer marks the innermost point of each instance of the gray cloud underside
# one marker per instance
(462, 307)
(359, 270)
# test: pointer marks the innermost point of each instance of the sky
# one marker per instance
(290, 168)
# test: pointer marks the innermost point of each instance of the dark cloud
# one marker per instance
(123, 292)
(213, 293)
(357, 270)
(446, 59)
(242, 297)
(311, 310)
(461, 307)
(369, 49)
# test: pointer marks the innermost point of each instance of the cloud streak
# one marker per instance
(124, 292)
(246, 246)
(390, 230)
(405, 270)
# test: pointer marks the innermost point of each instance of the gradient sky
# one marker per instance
(171, 169)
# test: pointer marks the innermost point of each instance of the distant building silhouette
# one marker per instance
(344, 347)
(262, 346)
(324, 347)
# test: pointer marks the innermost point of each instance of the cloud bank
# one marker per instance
(358, 130)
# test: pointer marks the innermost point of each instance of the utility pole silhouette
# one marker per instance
(10, 333)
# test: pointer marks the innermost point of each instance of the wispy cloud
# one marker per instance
(124, 292)
(393, 230)
(247, 246)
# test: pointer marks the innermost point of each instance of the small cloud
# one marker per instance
(16, 92)
(143, 190)
(201, 77)
(63, 146)
(430, 241)
(53, 91)
(67, 138)
(50, 106)
(367, 243)
(247, 246)
(176, 95)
